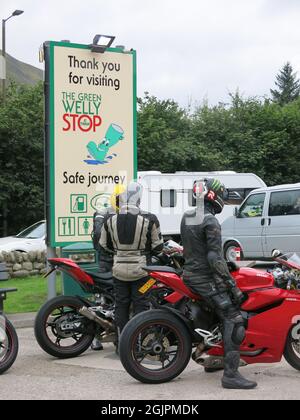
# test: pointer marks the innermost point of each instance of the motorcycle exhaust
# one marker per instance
(211, 362)
(214, 362)
(197, 354)
(108, 338)
(108, 326)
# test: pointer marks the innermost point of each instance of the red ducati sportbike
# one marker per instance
(156, 345)
(65, 326)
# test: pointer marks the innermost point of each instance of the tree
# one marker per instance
(21, 157)
(162, 126)
(288, 86)
(165, 138)
(251, 135)
(246, 135)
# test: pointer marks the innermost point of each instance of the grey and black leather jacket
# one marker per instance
(132, 235)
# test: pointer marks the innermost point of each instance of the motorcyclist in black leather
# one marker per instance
(206, 273)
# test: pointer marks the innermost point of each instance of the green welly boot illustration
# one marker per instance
(113, 135)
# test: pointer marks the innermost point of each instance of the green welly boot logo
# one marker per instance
(99, 153)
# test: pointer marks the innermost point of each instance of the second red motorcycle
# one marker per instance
(65, 326)
(156, 346)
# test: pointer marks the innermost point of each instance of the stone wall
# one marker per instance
(24, 264)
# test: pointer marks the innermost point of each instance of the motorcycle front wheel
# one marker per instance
(9, 344)
(292, 347)
(155, 347)
(60, 330)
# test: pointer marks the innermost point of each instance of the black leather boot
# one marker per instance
(232, 379)
(96, 345)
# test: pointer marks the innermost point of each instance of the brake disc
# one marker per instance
(296, 346)
(151, 337)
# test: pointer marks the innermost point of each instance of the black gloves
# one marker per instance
(237, 295)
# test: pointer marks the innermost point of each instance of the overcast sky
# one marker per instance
(187, 49)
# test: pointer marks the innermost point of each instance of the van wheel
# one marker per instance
(229, 252)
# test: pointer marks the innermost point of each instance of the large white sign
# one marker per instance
(91, 134)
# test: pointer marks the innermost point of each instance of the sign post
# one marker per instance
(90, 134)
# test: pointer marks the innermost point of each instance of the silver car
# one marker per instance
(30, 239)
(268, 219)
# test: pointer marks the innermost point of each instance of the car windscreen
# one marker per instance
(33, 232)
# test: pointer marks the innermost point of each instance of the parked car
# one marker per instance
(268, 219)
(30, 239)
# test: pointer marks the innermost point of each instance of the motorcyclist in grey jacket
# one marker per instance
(132, 236)
(105, 258)
(207, 274)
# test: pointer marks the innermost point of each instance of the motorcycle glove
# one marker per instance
(237, 295)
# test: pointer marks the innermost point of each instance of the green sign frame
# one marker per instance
(50, 167)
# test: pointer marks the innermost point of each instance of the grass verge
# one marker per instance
(32, 293)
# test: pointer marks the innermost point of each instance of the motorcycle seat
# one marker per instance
(104, 283)
(101, 277)
(161, 268)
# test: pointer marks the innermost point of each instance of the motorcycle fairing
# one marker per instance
(70, 267)
(248, 279)
(268, 330)
(174, 282)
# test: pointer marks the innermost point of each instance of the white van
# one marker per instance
(170, 195)
(268, 219)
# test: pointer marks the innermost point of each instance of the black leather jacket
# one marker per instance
(105, 258)
(202, 243)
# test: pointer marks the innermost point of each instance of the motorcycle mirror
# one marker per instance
(276, 253)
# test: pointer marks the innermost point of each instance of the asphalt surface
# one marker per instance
(100, 376)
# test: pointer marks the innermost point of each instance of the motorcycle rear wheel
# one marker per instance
(155, 338)
(292, 350)
(9, 344)
(50, 337)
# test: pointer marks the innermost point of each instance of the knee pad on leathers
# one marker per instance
(234, 332)
(238, 334)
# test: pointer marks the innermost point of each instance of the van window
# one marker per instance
(284, 203)
(253, 206)
(236, 196)
(168, 198)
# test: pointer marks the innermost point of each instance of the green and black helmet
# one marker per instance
(216, 194)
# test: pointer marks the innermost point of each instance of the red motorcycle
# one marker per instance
(156, 346)
(65, 326)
